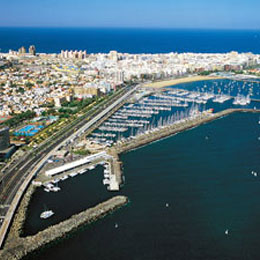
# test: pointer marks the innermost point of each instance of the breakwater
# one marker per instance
(164, 132)
(18, 247)
(160, 133)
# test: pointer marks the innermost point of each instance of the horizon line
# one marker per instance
(135, 28)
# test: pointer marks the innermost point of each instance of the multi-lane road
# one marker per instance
(25, 169)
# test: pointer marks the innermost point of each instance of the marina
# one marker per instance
(174, 104)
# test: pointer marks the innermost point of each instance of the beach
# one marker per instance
(166, 83)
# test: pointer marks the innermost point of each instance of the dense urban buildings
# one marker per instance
(32, 83)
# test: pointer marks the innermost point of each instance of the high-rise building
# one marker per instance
(73, 54)
(113, 55)
(4, 138)
(22, 50)
(32, 50)
(120, 76)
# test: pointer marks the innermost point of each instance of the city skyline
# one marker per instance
(137, 14)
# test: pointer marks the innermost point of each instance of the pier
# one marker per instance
(116, 173)
(109, 160)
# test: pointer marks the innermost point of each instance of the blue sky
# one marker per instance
(228, 14)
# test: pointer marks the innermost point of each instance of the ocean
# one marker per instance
(53, 40)
(207, 183)
(203, 174)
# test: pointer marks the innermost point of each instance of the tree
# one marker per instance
(21, 90)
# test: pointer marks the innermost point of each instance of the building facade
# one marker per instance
(4, 138)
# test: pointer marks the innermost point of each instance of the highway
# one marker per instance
(24, 171)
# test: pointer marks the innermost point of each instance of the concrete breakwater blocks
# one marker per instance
(26, 245)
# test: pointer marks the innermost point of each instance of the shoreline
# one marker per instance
(173, 82)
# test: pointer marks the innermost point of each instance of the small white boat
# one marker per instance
(47, 190)
(226, 232)
(106, 181)
(55, 181)
(64, 178)
(46, 214)
(167, 205)
(55, 189)
(49, 185)
(73, 174)
(82, 171)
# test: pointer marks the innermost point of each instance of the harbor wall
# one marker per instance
(158, 134)
(18, 247)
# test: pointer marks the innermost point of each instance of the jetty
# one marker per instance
(157, 134)
(18, 247)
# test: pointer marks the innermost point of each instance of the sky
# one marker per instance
(217, 14)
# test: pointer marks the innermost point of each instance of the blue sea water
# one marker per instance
(207, 183)
(53, 40)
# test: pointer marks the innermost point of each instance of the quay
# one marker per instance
(116, 172)
(72, 165)
(18, 247)
(81, 166)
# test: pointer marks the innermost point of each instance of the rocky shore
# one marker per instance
(16, 230)
(18, 247)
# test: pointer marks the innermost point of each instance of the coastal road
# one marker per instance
(12, 176)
